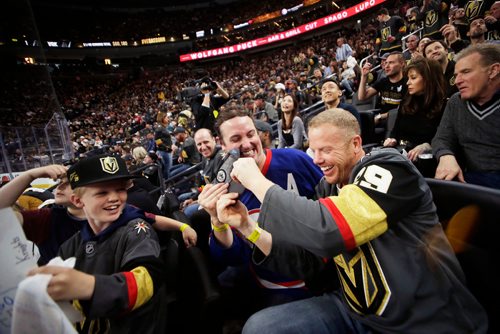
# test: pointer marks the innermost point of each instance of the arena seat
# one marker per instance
(469, 214)
(391, 121)
(367, 104)
(170, 299)
(368, 130)
(170, 204)
(197, 296)
(200, 296)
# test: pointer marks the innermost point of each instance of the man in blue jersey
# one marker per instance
(375, 218)
(290, 169)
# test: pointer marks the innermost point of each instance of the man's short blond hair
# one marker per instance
(339, 118)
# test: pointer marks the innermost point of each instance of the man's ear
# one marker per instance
(222, 143)
(494, 71)
(76, 201)
(358, 145)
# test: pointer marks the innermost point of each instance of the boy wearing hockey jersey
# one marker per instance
(118, 271)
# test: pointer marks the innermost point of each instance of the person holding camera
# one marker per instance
(214, 96)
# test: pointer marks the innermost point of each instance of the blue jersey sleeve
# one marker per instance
(239, 252)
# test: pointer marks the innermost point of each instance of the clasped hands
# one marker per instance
(224, 207)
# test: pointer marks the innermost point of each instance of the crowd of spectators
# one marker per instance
(121, 106)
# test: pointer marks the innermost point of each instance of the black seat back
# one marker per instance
(478, 250)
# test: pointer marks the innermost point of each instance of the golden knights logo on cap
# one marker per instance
(109, 165)
(74, 177)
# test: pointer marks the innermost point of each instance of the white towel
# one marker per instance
(36, 312)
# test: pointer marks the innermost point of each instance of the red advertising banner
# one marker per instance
(313, 25)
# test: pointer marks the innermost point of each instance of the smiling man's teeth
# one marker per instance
(326, 168)
(114, 207)
(248, 153)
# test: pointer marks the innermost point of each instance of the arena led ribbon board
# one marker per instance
(255, 43)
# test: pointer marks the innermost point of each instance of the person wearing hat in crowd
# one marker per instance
(265, 131)
(264, 109)
(118, 272)
(304, 82)
(151, 172)
(187, 154)
(48, 228)
(280, 93)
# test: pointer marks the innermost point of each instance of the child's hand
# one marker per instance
(67, 283)
(189, 236)
(51, 171)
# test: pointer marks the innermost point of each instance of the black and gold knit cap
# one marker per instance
(96, 169)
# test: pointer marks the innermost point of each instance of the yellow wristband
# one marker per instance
(255, 235)
(183, 227)
(221, 228)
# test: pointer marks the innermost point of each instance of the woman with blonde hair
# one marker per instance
(139, 153)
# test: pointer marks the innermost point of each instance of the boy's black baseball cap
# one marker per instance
(96, 169)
